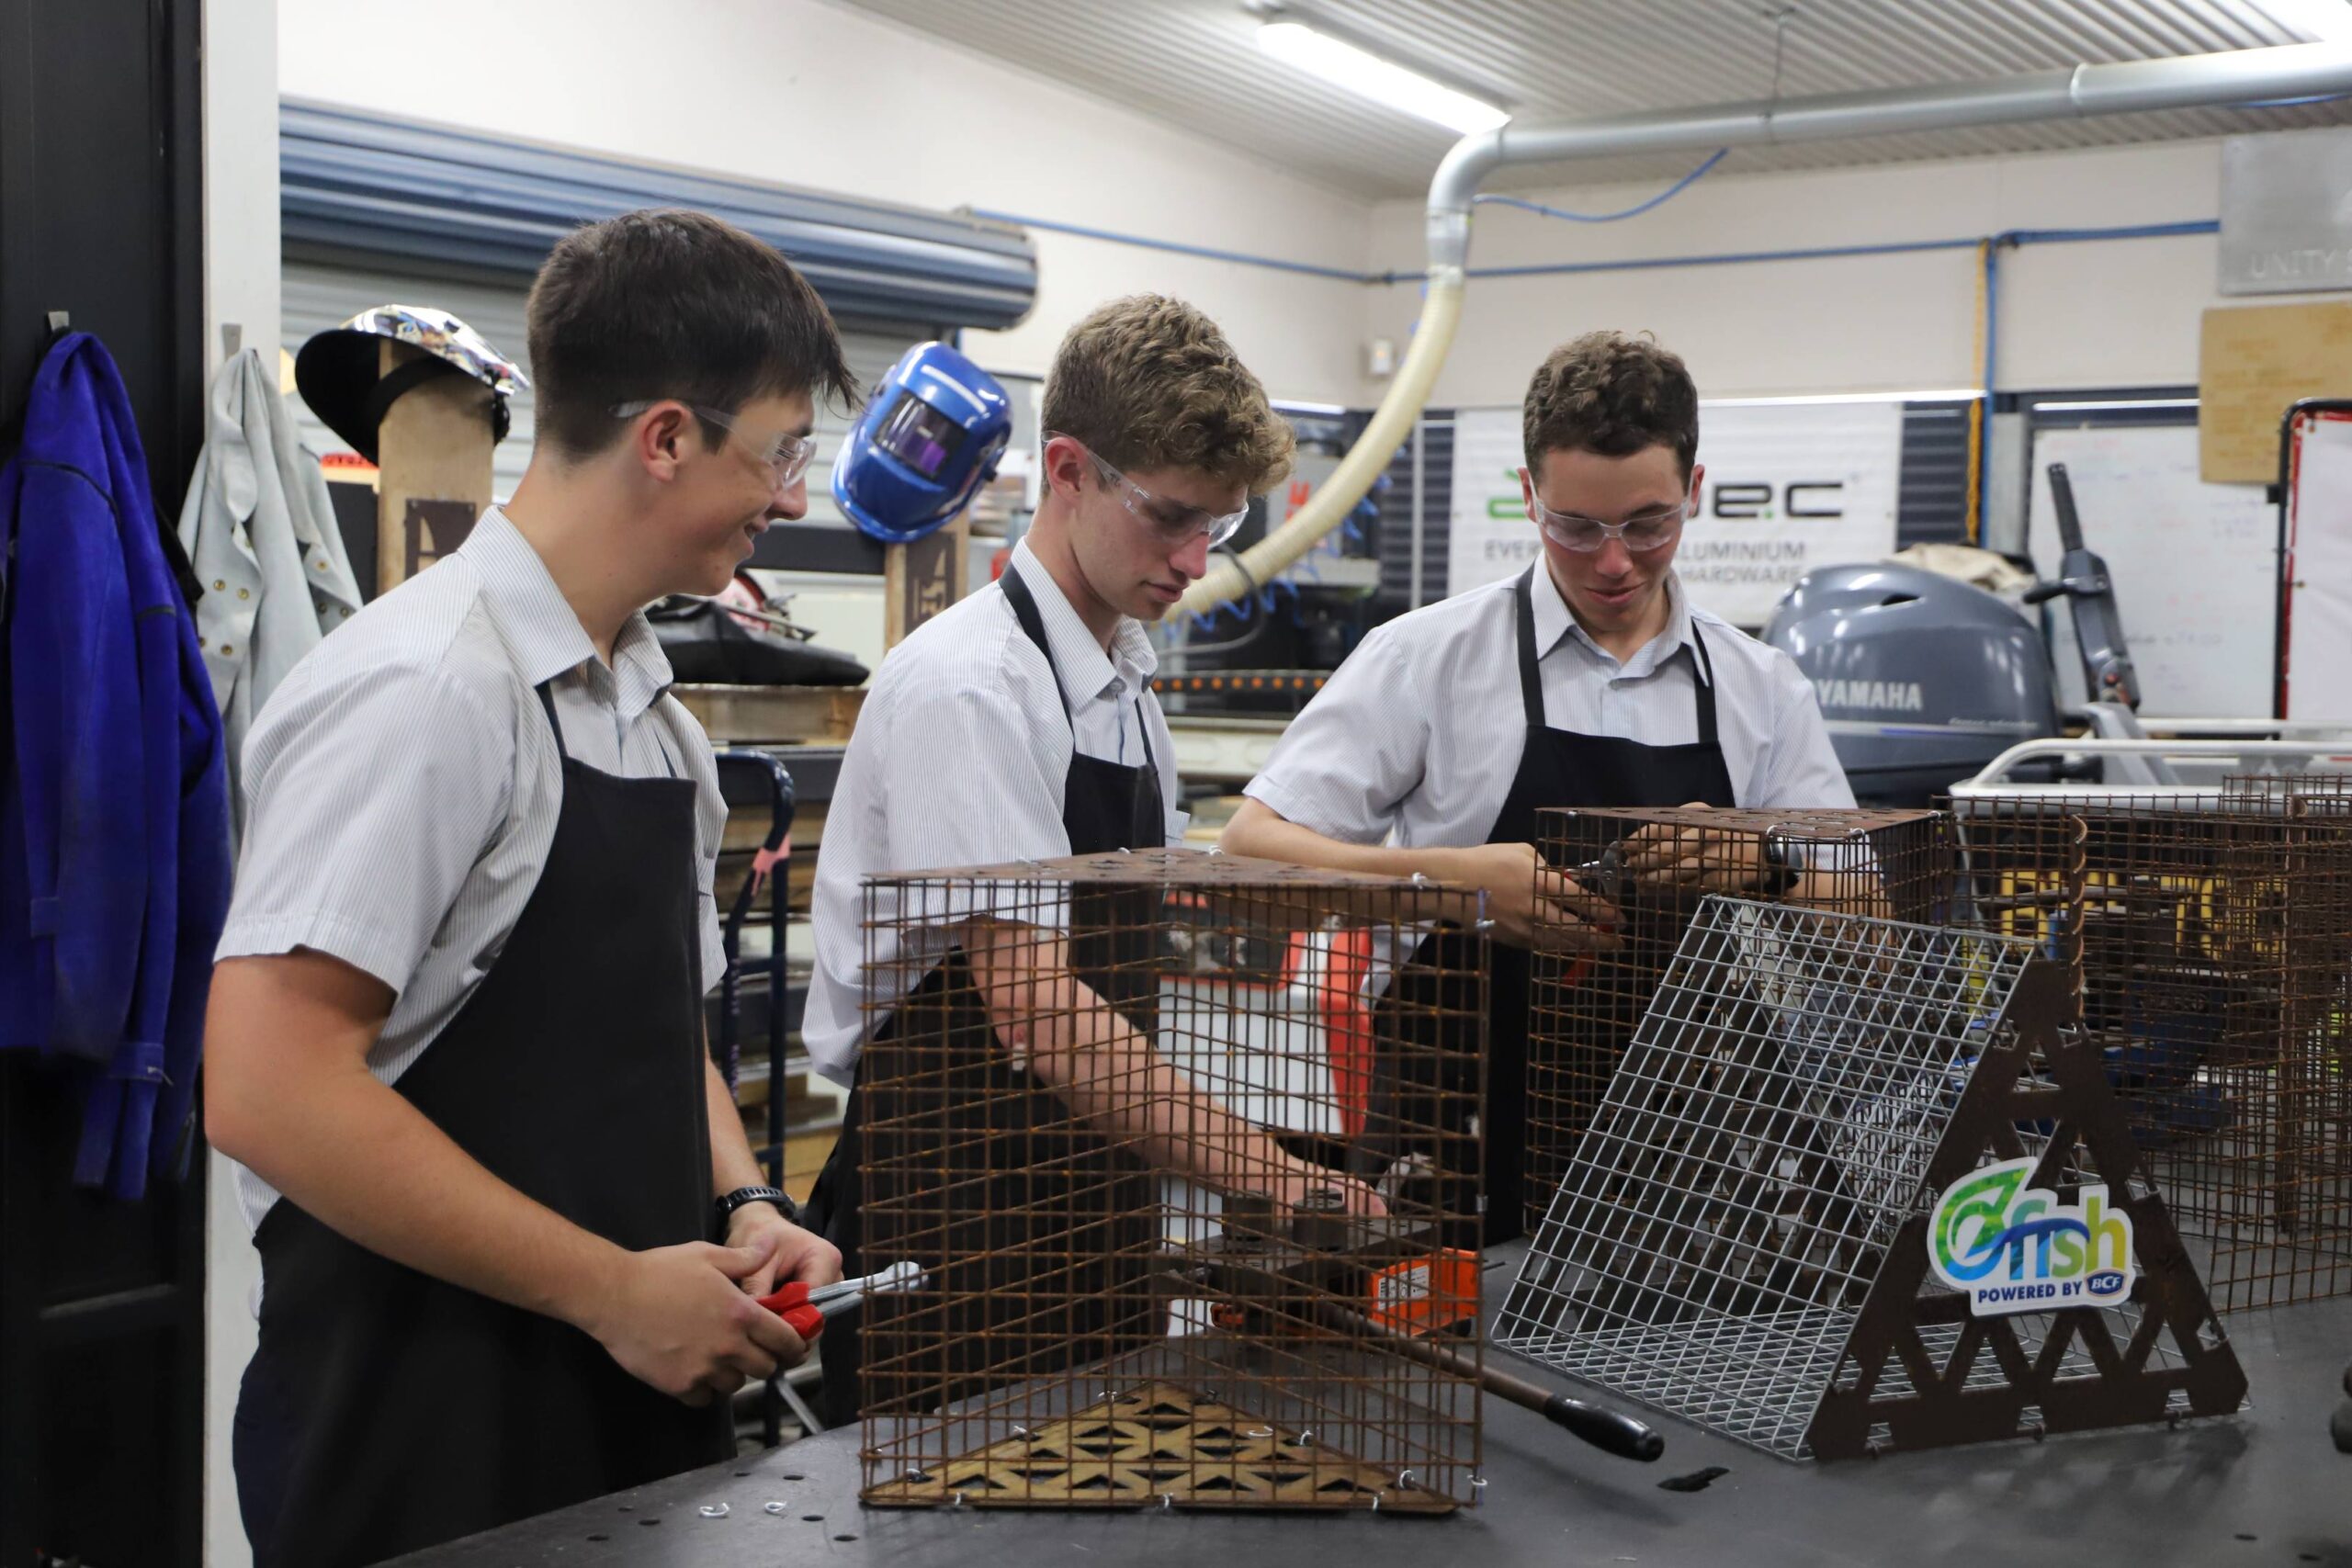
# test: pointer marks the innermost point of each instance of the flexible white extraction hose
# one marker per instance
(2284, 74)
(1337, 496)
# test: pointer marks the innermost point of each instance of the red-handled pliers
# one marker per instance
(805, 1307)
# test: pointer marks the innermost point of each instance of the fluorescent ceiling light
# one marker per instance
(1360, 71)
(2323, 21)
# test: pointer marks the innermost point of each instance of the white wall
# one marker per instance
(806, 94)
(240, 285)
(2106, 314)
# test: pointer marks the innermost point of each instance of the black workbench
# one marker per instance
(2260, 1488)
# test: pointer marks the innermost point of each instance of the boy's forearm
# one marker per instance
(1258, 829)
(361, 1159)
(1108, 1072)
(1110, 1075)
(732, 1164)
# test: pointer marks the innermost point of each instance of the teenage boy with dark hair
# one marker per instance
(1589, 679)
(455, 1043)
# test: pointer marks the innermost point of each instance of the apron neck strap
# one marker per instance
(1033, 625)
(1705, 668)
(1531, 680)
(1025, 610)
(546, 701)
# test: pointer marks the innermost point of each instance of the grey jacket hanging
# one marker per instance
(260, 531)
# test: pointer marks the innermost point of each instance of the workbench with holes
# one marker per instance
(1741, 1243)
(2262, 1487)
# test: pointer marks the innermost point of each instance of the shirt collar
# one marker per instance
(1554, 624)
(547, 637)
(1084, 668)
(641, 671)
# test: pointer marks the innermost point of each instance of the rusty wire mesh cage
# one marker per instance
(1189, 1206)
(1742, 1236)
(1655, 866)
(2211, 954)
(2321, 794)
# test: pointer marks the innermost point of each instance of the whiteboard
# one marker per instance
(2194, 567)
(2319, 615)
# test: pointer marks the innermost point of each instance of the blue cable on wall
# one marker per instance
(1660, 199)
(1175, 247)
(1241, 606)
(1630, 264)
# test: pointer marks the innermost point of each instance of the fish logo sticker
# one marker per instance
(2018, 1248)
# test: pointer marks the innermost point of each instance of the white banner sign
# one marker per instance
(1489, 536)
(1789, 486)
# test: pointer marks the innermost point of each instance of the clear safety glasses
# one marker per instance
(1173, 522)
(1643, 530)
(786, 456)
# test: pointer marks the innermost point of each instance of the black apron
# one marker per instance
(396, 1411)
(1556, 768)
(1044, 1211)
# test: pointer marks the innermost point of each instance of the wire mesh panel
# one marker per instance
(2325, 793)
(1176, 1205)
(1654, 867)
(1742, 1237)
(2017, 869)
(2212, 947)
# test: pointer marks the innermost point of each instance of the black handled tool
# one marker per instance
(1606, 1429)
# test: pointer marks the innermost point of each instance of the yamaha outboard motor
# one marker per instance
(1923, 679)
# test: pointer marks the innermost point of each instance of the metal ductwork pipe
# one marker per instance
(2239, 78)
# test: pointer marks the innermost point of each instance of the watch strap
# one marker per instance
(729, 1202)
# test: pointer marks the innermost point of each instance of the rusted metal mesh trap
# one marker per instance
(2211, 955)
(1179, 1190)
(1743, 1238)
(1655, 866)
(2314, 793)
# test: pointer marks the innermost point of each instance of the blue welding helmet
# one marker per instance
(929, 439)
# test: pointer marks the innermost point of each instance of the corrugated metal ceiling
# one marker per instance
(1195, 63)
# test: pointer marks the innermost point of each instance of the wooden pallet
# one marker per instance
(1158, 1445)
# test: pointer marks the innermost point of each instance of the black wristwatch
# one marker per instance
(1779, 876)
(742, 1195)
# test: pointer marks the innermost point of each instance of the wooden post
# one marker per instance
(433, 454)
(921, 579)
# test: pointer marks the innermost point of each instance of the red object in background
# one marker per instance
(1426, 1295)
(1347, 1022)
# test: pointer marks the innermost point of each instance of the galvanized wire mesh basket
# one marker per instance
(1741, 1238)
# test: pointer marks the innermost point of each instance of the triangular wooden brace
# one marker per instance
(2080, 1377)
(1154, 1442)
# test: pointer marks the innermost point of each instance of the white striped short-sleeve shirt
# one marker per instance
(401, 784)
(958, 759)
(1418, 733)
